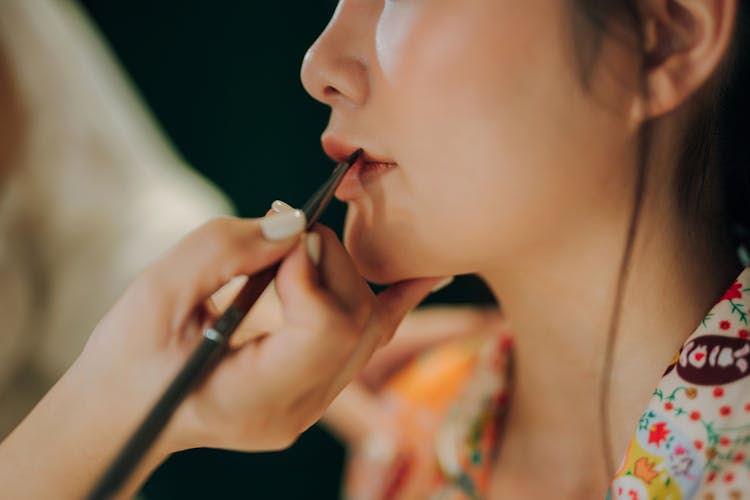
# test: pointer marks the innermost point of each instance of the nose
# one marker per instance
(334, 70)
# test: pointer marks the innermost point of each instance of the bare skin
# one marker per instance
(509, 167)
(76, 430)
(478, 102)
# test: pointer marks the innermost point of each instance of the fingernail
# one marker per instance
(279, 207)
(442, 284)
(312, 243)
(283, 226)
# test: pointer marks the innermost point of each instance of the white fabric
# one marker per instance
(98, 193)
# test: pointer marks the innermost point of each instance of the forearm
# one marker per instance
(67, 441)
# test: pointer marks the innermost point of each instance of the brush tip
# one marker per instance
(354, 157)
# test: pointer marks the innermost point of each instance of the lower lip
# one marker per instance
(359, 177)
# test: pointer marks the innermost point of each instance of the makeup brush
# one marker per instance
(208, 352)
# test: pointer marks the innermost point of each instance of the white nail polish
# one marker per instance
(312, 244)
(442, 284)
(279, 206)
(283, 226)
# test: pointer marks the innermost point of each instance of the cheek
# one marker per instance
(467, 48)
(398, 231)
(475, 98)
(468, 86)
(487, 118)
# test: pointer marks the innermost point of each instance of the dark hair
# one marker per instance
(714, 155)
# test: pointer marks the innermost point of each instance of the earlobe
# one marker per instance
(685, 42)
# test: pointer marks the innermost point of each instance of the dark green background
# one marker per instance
(222, 77)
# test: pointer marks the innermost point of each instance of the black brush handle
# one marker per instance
(201, 361)
(206, 354)
(152, 426)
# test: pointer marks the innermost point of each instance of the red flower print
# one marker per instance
(743, 334)
(658, 433)
(718, 392)
(747, 407)
(668, 406)
(733, 292)
(724, 441)
(725, 411)
(725, 325)
(698, 445)
(695, 415)
(710, 478)
(728, 477)
(739, 457)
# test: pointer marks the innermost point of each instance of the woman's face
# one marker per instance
(500, 151)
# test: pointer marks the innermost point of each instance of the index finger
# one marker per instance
(212, 255)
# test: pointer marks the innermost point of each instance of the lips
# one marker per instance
(362, 174)
(366, 171)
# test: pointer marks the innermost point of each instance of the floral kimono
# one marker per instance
(692, 440)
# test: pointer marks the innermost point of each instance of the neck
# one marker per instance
(560, 312)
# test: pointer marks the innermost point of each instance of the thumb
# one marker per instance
(211, 256)
(398, 300)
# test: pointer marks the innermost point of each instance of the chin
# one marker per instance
(377, 261)
(376, 267)
(382, 259)
(386, 252)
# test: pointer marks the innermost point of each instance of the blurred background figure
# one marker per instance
(90, 193)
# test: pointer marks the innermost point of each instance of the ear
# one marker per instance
(685, 43)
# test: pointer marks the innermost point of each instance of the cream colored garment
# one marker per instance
(97, 195)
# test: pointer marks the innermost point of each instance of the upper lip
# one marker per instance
(339, 150)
